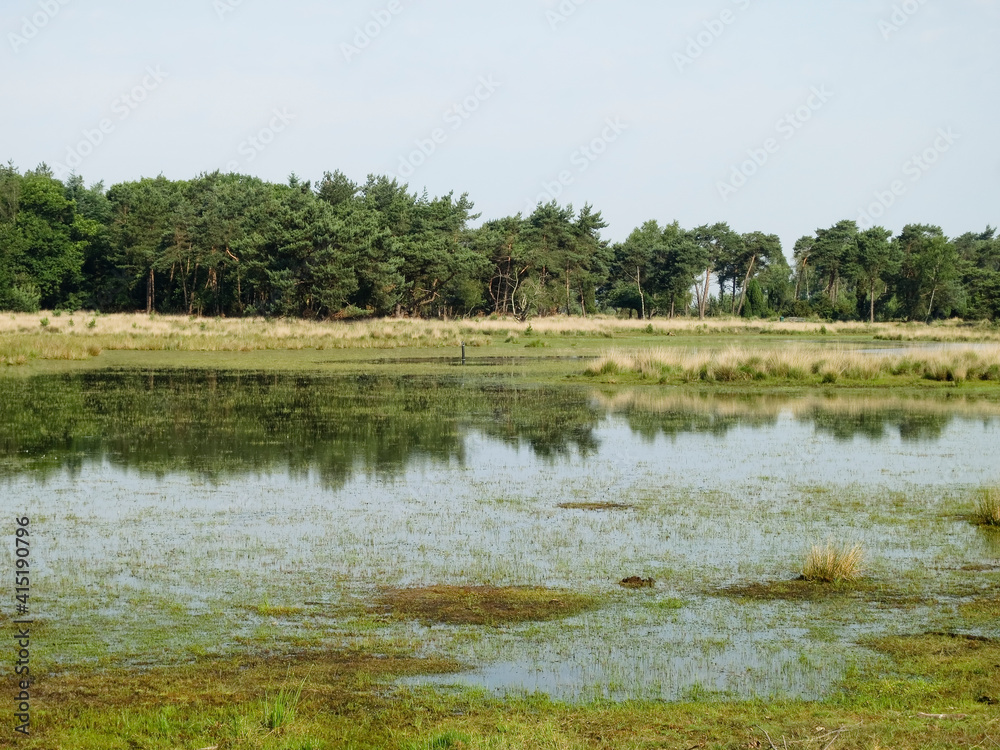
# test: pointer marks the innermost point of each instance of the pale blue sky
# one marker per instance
(557, 79)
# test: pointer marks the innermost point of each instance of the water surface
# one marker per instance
(174, 508)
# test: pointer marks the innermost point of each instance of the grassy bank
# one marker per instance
(933, 690)
(800, 364)
(80, 336)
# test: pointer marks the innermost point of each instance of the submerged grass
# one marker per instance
(483, 605)
(942, 669)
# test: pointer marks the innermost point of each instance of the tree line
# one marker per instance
(235, 245)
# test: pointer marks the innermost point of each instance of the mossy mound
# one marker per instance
(483, 605)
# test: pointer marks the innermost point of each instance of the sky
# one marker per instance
(782, 116)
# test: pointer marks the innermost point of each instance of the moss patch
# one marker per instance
(483, 605)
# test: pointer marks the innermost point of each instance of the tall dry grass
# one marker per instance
(833, 563)
(23, 338)
(987, 512)
(799, 363)
(554, 325)
(73, 336)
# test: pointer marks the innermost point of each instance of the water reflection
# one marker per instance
(843, 417)
(321, 487)
(220, 424)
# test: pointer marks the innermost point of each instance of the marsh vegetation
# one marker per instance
(82, 336)
(398, 558)
(801, 364)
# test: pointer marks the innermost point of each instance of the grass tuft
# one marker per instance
(279, 711)
(833, 563)
(987, 512)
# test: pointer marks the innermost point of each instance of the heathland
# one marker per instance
(682, 345)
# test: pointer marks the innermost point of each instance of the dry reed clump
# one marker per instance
(987, 512)
(797, 363)
(19, 349)
(833, 563)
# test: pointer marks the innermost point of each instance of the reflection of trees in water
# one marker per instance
(650, 426)
(552, 421)
(224, 424)
(219, 424)
(875, 425)
(651, 413)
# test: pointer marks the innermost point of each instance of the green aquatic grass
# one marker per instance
(891, 702)
(280, 709)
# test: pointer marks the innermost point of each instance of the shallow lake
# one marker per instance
(183, 513)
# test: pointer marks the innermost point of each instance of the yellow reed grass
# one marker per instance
(833, 563)
(798, 362)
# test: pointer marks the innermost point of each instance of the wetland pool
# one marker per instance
(184, 513)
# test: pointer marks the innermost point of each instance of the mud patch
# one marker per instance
(636, 582)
